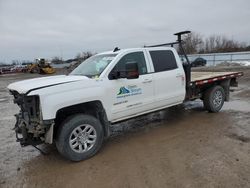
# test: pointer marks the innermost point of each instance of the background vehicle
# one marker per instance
(41, 67)
(5, 70)
(76, 110)
(13, 69)
(198, 62)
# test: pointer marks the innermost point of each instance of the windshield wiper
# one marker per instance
(77, 74)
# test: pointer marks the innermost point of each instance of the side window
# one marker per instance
(163, 60)
(137, 57)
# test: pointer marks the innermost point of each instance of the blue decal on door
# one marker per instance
(123, 91)
(128, 91)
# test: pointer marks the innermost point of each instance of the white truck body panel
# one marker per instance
(149, 92)
(67, 95)
(24, 86)
(169, 85)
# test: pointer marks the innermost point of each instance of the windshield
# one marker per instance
(93, 66)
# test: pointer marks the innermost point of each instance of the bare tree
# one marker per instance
(15, 62)
(193, 43)
(83, 56)
(56, 60)
(218, 43)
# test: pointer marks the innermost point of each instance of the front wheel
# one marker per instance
(79, 137)
(214, 98)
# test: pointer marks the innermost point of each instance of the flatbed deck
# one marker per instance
(204, 77)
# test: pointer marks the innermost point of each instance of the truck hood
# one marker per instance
(26, 86)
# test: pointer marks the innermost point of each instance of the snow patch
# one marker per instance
(242, 63)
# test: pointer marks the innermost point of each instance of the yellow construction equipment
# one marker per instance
(41, 67)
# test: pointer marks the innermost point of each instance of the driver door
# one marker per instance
(132, 96)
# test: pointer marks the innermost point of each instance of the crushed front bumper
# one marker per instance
(26, 135)
(30, 128)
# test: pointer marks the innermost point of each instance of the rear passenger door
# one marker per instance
(169, 78)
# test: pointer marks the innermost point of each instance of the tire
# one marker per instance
(214, 99)
(79, 137)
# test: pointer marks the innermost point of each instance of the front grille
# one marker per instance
(29, 105)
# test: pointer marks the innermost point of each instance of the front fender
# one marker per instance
(51, 103)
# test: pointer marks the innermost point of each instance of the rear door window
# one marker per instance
(163, 60)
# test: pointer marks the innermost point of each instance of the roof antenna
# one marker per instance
(116, 49)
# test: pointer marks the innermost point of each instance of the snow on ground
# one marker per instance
(234, 63)
(243, 63)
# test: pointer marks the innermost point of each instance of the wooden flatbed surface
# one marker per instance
(197, 76)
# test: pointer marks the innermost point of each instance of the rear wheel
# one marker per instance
(79, 137)
(214, 99)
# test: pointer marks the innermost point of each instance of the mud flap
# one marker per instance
(233, 82)
(226, 86)
(49, 134)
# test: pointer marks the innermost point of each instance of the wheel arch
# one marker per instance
(210, 102)
(225, 84)
(93, 108)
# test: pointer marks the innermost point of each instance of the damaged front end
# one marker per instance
(30, 128)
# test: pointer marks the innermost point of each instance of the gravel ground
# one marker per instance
(183, 146)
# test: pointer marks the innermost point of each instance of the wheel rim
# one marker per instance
(217, 99)
(82, 138)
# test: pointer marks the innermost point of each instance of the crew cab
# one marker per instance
(76, 110)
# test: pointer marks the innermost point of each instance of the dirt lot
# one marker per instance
(183, 146)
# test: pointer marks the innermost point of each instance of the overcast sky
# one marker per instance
(30, 29)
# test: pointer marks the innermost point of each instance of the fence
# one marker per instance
(216, 58)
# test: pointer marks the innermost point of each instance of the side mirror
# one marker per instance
(132, 71)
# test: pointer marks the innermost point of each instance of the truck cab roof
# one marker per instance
(135, 49)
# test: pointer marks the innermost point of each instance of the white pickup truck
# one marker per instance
(76, 110)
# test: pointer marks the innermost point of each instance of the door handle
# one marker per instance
(178, 75)
(147, 81)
